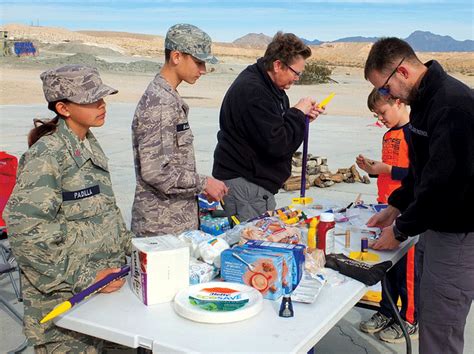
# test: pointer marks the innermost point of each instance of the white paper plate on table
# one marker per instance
(218, 302)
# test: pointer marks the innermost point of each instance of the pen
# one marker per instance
(97, 286)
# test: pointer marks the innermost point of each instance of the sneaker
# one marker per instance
(394, 334)
(375, 324)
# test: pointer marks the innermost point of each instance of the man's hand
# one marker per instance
(113, 286)
(385, 218)
(308, 106)
(215, 190)
(386, 240)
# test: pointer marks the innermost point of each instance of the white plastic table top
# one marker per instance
(121, 317)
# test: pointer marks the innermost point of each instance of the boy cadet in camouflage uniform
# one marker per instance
(65, 228)
(165, 166)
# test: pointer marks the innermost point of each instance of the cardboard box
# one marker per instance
(297, 250)
(259, 269)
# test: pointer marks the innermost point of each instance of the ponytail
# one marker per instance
(44, 127)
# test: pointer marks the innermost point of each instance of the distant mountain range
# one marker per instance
(421, 41)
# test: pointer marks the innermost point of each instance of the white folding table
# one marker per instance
(122, 318)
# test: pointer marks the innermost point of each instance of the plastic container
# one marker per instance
(211, 251)
(214, 226)
(325, 233)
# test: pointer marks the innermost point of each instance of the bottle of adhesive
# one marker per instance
(325, 233)
(312, 233)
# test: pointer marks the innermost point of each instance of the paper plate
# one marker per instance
(218, 302)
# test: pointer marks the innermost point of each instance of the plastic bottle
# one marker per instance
(325, 233)
(312, 233)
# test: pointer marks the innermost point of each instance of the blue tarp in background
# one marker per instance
(24, 48)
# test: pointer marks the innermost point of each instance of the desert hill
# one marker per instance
(253, 40)
(151, 46)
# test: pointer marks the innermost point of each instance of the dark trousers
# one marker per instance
(403, 282)
(446, 266)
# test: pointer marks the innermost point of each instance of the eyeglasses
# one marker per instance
(384, 90)
(297, 73)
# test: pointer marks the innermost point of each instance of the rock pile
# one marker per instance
(319, 175)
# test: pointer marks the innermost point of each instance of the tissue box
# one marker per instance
(160, 268)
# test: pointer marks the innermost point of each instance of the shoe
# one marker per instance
(375, 324)
(394, 334)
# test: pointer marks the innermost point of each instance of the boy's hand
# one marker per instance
(365, 164)
(372, 167)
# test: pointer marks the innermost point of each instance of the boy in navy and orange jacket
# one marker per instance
(402, 278)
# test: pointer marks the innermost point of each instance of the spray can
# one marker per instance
(364, 244)
(325, 233)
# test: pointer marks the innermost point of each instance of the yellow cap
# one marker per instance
(61, 308)
(326, 100)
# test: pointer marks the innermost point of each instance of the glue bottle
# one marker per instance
(325, 233)
(312, 233)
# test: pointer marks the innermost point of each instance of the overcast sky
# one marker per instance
(228, 20)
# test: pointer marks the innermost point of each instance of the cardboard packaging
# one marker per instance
(160, 268)
(297, 250)
(259, 269)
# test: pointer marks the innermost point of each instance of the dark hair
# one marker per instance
(375, 98)
(285, 47)
(167, 55)
(45, 127)
(386, 53)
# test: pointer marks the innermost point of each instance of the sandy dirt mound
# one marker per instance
(129, 61)
(133, 44)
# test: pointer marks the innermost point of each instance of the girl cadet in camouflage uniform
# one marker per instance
(64, 225)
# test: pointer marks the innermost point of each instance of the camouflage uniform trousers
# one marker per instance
(73, 342)
(80, 343)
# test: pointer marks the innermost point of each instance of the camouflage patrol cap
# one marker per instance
(191, 40)
(77, 83)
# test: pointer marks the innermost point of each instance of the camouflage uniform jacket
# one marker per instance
(165, 165)
(64, 225)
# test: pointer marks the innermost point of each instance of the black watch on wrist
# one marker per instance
(399, 236)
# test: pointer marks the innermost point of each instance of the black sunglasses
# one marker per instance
(383, 90)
